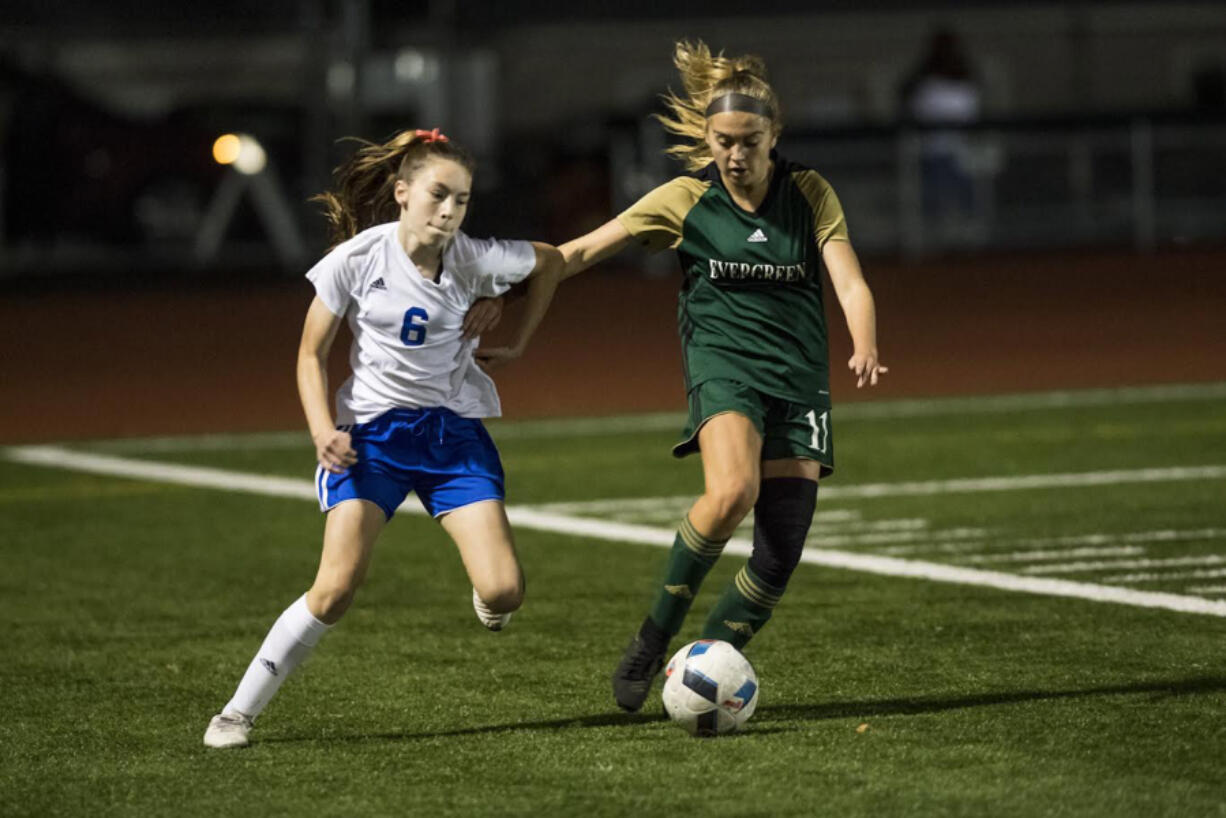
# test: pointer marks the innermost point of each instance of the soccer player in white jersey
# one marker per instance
(404, 277)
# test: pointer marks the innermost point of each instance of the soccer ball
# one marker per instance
(710, 688)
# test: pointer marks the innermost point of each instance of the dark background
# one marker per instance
(1066, 231)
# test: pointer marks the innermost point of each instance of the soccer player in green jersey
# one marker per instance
(753, 232)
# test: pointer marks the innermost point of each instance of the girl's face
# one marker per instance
(433, 203)
(741, 144)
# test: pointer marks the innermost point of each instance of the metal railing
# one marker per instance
(1140, 182)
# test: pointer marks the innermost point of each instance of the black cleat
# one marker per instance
(643, 659)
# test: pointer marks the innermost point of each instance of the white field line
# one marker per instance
(1169, 576)
(1027, 481)
(822, 529)
(624, 532)
(925, 488)
(893, 524)
(677, 503)
(822, 540)
(1108, 565)
(886, 566)
(1039, 556)
(1133, 537)
(1068, 399)
(672, 421)
(195, 476)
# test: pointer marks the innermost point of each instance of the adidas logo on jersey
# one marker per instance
(757, 236)
(378, 285)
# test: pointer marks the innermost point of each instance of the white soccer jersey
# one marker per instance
(407, 346)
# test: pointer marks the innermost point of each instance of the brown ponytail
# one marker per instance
(363, 185)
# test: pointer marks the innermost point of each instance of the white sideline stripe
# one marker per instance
(673, 421)
(1076, 539)
(195, 476)
(1039, 556)
(886, 566)
(1107, 565)
(625, 532)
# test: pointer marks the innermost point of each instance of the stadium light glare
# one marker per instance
(243, 151)
(226, 148)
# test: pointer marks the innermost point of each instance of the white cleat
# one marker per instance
(228, 730)
(491, 620)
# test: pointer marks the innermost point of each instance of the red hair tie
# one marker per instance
(431, 136)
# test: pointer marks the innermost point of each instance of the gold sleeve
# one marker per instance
(828, 220)
(657, 218)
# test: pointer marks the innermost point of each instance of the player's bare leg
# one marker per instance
(483, 537)
(731, 452)
(731, 449)
(349, 538)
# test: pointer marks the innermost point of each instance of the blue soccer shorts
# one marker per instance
(448, 460)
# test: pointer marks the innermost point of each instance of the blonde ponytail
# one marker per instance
(364, 185)
(704, 77)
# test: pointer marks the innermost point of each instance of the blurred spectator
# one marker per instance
(943, 91)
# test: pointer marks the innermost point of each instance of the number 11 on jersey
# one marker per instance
(820, 424)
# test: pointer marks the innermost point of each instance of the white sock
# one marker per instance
(289, 641)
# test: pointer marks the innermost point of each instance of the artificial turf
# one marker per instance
(132, 607)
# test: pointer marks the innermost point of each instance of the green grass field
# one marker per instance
(132, 605)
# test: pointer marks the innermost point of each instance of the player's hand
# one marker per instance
(334, 451)
(491, 358)
(482, 316)
(866, 368)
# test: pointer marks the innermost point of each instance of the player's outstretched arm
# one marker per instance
(594, 247)
(332, 446)
(858, 308)
(577, 255)
(542, 284)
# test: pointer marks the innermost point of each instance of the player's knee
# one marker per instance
(502, 596)
(328, 602)
(733, 499)
(782, 518)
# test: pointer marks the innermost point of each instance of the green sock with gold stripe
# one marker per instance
(742, 611)
(689, 561)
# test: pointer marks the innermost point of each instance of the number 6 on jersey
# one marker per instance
(414, 335)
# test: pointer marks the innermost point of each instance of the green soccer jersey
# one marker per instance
(751, 303)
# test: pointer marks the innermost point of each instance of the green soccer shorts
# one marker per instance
(788, 430)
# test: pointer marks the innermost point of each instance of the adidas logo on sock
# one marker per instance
(743, 628)
(757, 236)
(271, 667)
(682, 591)
(379, 285)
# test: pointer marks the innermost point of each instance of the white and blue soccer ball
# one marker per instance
(710, 688)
